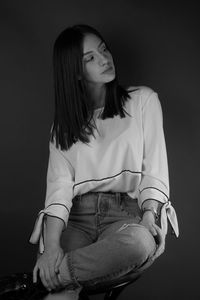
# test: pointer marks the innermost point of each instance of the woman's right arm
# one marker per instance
(54, 227)
(48, 263)
(52, 219)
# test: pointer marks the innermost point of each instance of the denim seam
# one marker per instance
(74, 283)
(115, 275)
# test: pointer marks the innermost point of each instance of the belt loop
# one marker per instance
(78, 197)
(118, 196)
(98, 200)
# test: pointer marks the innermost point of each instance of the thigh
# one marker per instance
(63, 295)
(73, 238)
(135, 235)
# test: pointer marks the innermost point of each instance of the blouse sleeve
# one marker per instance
(155, 178)
(59, 193)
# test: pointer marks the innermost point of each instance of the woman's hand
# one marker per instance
(47, 264)
(149, 222)
(160, 240)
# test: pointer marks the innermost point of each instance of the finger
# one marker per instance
(54, 278)
(57, 265)
(159, 233)
(58, 284)
(35, 270)
(54, 281)
(58, 262)
(161, 242)
(153, 231)
(43, 279)
(160, 250)
(157, 228)
(158, 236)
(50, 278)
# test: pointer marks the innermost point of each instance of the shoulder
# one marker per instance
(141, 90)
(143, 94)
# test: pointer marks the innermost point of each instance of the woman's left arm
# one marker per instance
(154, 185)
(150, 219)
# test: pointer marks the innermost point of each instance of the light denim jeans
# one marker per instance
(103, 240)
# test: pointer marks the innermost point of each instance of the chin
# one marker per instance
(109, 78)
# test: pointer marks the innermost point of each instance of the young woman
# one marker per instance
(107, 198)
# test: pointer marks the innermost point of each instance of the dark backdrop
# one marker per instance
(154, 44)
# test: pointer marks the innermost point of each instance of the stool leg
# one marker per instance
(114, 293)
(83, 296)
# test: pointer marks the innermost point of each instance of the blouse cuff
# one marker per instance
(168, 213)
(55, 210)
(154, 194)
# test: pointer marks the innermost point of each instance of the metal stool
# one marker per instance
(111, 291)
(11, 288)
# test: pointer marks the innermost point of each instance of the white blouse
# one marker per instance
(126, 155)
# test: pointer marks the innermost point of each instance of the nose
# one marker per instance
(103, 59)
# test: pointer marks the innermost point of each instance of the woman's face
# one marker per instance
(98, 66)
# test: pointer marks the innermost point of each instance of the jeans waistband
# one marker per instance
(116, 195)
(91, 198)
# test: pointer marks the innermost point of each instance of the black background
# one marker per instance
(155, 44)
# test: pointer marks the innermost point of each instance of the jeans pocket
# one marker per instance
(130, 206)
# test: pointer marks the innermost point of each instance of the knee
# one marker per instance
(145, 241)
(139, 240)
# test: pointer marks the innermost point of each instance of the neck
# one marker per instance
(97, 94)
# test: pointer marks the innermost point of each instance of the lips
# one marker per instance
(108, 70)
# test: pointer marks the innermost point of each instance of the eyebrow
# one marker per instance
(102, 42)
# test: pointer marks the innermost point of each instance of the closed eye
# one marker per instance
(89, 58)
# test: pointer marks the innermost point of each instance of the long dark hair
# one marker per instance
(73, 108)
